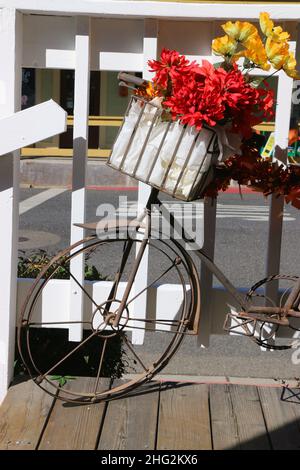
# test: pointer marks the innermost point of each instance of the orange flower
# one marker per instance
(148, 92)
(255, 52)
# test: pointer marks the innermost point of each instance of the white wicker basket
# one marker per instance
(174, 158)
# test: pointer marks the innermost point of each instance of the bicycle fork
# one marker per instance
(146, 214)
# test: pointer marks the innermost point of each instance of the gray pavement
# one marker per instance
(241, 235)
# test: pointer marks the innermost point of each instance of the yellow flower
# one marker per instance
(289, 66)
(276, 33)
(277, 52)
(255, 52)
(240, 30)
(265, 23)
(279, 35)
(224, 46)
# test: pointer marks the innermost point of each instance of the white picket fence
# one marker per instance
(103, 35)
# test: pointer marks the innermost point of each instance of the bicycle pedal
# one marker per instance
(263, 317)
(239, 323)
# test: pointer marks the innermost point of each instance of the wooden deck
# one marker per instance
(164, 415)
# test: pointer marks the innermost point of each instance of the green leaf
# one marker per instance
(86, 358)
(256, 82)
(218, 64)
(247, 63)
(62, 379)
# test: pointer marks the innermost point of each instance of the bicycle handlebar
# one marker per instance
(126, 77)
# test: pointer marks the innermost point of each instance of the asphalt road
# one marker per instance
(241, 243)
(241, 234)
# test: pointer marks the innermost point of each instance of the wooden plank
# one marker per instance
(223, 420)
(293, 396)
(193, 9)
(130, 423)
(282, 422)
(72, 426)
(34, 124)
(250, 421)
(129, 61)
(23, 415)
(184, 418)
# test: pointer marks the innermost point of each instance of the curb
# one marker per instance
(57, 172)
(223, 380)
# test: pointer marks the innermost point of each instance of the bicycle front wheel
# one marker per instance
(135, 350)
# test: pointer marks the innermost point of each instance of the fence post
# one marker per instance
(80, 146)
(206, 277)
(282, 125)
(10, 99)
(140, 304)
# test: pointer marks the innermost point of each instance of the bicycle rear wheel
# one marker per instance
(54, 362)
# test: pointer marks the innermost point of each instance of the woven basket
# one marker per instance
(173, 158)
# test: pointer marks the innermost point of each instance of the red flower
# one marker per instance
(203, 94)
(197, 99)
(170, 66)
(246, 105)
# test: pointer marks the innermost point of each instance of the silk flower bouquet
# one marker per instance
(192, 116)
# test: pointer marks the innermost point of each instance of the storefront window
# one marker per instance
(28, 88)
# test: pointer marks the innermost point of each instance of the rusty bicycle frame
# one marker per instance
(249, 313)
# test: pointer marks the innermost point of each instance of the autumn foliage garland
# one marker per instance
(259, 174)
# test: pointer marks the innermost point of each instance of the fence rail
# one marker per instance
(99, 121)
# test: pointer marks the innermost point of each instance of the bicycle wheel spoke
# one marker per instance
(152, 283)
(82, 288)
(126, 251)
(154, 321)
(129, 345)
(69, 354)
(100, 366)
(129, 328)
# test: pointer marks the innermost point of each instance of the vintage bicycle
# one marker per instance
(119, 247)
